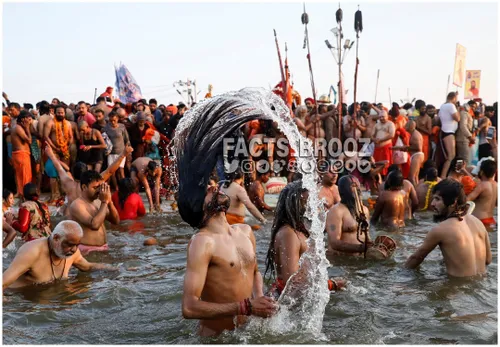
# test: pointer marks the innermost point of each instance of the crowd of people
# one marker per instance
(94, 160)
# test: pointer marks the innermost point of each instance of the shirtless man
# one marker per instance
(485, 194)
(289, 240)
(58, 135)
(144, 171)
(415, 149)
(239, 200)
(91, 209)
(390, 204)
(328, 189)
(73, 150)
(49, 259)
(71, 183)
(424, 189)
(341, 224)
(222, 283)
(45, 116)
(382, 136)
(411, 198)
(300, 119)
(463, 241)
(315, 129)
(21, 153)
(424, 127)
(256, 192)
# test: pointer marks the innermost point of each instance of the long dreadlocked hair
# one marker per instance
(346, 195)
(452, 192)
(199, 140)
(288, 212)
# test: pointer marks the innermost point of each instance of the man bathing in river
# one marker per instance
(239, 200)
(256, 191)
(485, 194)
(463, 240)
(147, 172)
(91, 209)
(341, 224)
(390, 206)
(328, 190)
(424, 189)
(222, 283)
(411, 198)
(49, 259)
(289, 238)
(71, 183)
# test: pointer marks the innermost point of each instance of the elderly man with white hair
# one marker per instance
(50, 258)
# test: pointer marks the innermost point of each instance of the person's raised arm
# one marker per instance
(63, 175)
(431, 241)
(106, 174)
(24, 259)
(245, 199)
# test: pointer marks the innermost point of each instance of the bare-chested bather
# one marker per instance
(463, 240)
(390, 207)
(91, 209)
(49, 259)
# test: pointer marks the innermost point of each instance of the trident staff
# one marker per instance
(305, 21)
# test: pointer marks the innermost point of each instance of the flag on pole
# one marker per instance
(127, 88)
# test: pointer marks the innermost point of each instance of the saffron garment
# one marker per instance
(383, 153)
(234, 219)
(33, 222)
(21, 160)
(133, 207)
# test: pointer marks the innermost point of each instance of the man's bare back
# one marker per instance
(390, 208)
(465, 246)
(485, 197)
(240, 200)
(20, 139)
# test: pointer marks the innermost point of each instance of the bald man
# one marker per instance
(49, 259)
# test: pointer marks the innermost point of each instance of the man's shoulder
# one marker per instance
(243, 228)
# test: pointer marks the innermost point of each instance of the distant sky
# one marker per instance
(65, 50)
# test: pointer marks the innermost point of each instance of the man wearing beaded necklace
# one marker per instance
(49, 259)
(463, 239)
(58, 135)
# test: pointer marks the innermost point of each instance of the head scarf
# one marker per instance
(172, 108)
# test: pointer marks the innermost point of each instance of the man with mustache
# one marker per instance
(49, 259)
(91, 209)
(463, 239)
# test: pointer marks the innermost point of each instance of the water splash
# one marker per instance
(303, 301)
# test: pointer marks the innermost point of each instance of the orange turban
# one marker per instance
(172, 108)
(468, 184)
(149, 135)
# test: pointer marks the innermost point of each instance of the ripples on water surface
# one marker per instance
(141, 304)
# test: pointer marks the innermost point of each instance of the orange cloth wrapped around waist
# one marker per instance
(488, 222)
(21, 161)
(383, 153)
(234, 219)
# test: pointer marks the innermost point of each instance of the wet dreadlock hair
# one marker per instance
(289, 211)
(347, 197)
(452, 192)
(78, 169)
(126, 186)
(199, 139)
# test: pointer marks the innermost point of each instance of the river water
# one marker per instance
(141, 303)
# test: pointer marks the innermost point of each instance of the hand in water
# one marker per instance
(339, 282)
(105, 193)
(264, 306)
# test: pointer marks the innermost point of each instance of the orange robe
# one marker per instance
(21, 160)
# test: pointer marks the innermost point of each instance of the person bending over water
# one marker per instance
(239, 200)
(390, 205)
(463, 240)
(222, 283)
(486, 193)
(126, 200)
(91, 209)
(289, 238)
(147, 172)
(341, 224)
(49, 259)
(34, 216)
